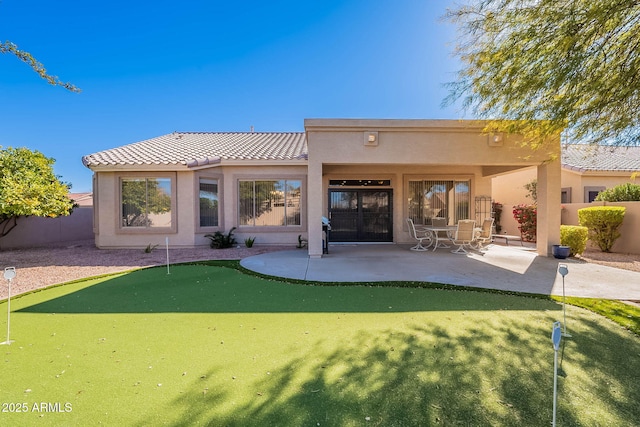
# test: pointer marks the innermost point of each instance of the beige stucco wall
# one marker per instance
(578, 181)
(630, 229)
(339, 149)
(424, 147)
(36, 231)
(398, 175)
(185, 230)
(509, 190)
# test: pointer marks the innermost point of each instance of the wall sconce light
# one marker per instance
(495, 140)
(371, 138)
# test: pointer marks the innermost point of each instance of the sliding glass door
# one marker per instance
(361, 215)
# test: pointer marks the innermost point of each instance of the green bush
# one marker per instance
(222, 241)
(620, 193)
(248, 242)
(603, 223)
(574, 236)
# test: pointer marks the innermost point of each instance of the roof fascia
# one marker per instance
(390, 125)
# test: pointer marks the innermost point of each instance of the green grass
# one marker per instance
(626, 315)
(210, 345)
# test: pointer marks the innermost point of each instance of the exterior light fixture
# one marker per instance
(495, 140)
(371, 138)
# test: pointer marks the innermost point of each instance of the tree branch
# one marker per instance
(26, 57)
(6, 225)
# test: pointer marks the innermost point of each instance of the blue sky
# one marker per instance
(149, 68)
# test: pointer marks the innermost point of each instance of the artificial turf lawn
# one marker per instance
(212, 346)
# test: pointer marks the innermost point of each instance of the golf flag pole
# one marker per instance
(166, 241)
(9, 274)
(556, 337)
(563, 270)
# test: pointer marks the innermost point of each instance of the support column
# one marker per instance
(549, 206)
(315, 197)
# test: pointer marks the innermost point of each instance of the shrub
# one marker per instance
(603, 223)
(574, 236)
(248, 242)
(620, 193)
(532, 190)
(149, 248)
(222, 241)
(526, 215)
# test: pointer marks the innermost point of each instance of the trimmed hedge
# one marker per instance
(574, 236)
(603, 223)
(620, 193)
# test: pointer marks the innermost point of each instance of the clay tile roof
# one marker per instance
(583, 158)
(204, 148)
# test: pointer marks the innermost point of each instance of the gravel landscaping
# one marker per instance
(41, 267)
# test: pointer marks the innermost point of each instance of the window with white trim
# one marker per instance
(269, 202)
(209, 202)
(428, 199)
(146, 202)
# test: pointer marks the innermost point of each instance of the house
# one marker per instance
(588, 170)
(585, 171)
(366, 175)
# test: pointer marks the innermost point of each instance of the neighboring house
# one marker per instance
(367, 176)
(586, 170)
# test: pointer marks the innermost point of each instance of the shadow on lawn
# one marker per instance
(423, 377)
(208, 289)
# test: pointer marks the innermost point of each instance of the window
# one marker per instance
(429, 199)
(590, 193)
(209, 206)
(146, 202)
(565, 195)
(269, 203)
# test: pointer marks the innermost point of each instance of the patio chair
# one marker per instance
(484, 235)
(441, 235)
(418, 237)
(464, 236)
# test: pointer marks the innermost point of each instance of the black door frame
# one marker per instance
(359, 234)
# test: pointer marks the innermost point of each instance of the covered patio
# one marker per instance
(369, 176)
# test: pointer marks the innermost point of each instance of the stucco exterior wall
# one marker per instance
(509, 190)
(578, 181)
(185, 230)
(630, 229)
(398, 175)
(425, 147)
(285, 236)
(338, 149)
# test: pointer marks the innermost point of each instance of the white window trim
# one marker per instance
(220, 179)
(120, 229)
(273, 228)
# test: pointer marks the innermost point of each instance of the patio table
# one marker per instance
(436, 239)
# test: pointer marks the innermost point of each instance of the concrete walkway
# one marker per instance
(511, 268)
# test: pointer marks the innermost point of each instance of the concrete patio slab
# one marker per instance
(509, 268)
